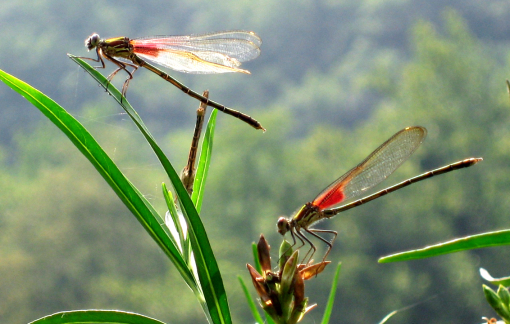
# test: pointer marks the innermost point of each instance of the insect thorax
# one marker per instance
(117, 47)
(307, 215)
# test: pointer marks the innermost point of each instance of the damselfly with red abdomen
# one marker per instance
(371, 171)
(220, 52)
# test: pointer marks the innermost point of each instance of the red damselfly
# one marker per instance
(220, 52)
(371, 171)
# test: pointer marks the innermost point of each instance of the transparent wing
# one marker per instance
(374, 169)
(208, 53)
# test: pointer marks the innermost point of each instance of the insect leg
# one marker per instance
(99, 59)
(328, 243)
(122, 66)
(312, 249)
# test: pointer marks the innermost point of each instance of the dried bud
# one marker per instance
(308, 272)
(263, 249)
(282, 293)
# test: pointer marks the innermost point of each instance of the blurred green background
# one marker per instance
(335, 80)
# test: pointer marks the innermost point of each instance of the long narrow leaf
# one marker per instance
(251, 303)
(96, 316)
(478, 241)
(208, 271)
(175, 221)
(256, 259)
(112, 91)
(207, 266)
(204, 162)
(331, 298)
(88, 146)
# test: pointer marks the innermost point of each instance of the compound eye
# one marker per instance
(283, 225)
(92, 41)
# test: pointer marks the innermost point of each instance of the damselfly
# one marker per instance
(220, 52)
(371, 171)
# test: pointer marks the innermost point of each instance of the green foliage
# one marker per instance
(331, 299)
(505, 281)
(201, 273)
(498, 238)
(97, 316)
(324, 64)
(460, 105)
(208, 286)
(499, 301)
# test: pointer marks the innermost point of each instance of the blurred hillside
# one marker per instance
(335, 80)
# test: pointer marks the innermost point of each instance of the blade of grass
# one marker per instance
(175, 219)
(207, 266)
(116, 95)
(88, 146)
(251, 303)
(256, 259)
(208, 271)
(204, 162)
(96, 316)
(471, 242)
(331, 298)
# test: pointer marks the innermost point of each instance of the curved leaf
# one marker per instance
(251, 303)
(505, 281)
(478, 241)
(96, 316)
(88, 146)
(207, 266)
(331, 298)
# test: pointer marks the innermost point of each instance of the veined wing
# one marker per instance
(209, 53)
(374, 169)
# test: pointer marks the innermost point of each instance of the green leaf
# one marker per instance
(331, 299)
(204, 162)
(477, 241)
(496, 302)
(284, 253)
(128, 194)
(256, 260)
(176, 222)
(112, 91)
(504, 295)
(96, 316)
(207, 266)
(269, 319)
(287, 284)
(251, 302)
(289, 270)
(505, 281)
